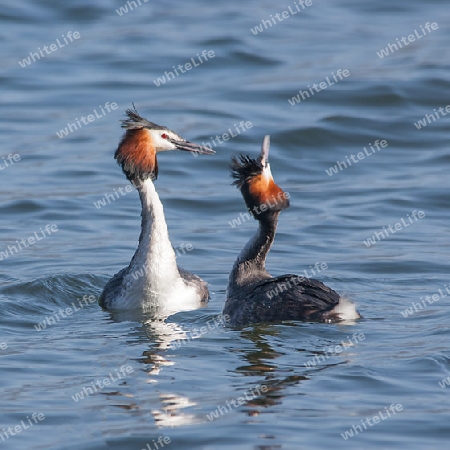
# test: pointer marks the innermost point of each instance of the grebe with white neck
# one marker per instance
(253, 295)
(162, 287)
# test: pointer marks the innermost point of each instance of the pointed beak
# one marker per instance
(191, 147)
(265, 151)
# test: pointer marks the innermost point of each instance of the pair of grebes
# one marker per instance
(253, 295)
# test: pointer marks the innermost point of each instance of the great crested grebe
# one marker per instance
(152, 281)
(253, 295)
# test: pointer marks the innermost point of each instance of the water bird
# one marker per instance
(253, 295)
(152, 281)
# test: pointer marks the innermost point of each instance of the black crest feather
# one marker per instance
(135, 121)
(244, 168)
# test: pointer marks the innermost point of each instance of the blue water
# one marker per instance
(312, 393)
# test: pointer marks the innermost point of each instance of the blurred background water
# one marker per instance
(170, 389)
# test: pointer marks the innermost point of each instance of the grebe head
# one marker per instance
(254, 178)
(142, 141)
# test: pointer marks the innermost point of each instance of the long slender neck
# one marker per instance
(155, 251)
(250, 265)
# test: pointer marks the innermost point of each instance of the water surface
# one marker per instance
(168, 378)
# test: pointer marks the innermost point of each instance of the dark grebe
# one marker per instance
(253, 295)
(164, 287)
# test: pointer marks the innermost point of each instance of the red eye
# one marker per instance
(164, 136)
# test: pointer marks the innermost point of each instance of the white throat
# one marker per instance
(155, 249)
(153, 280)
